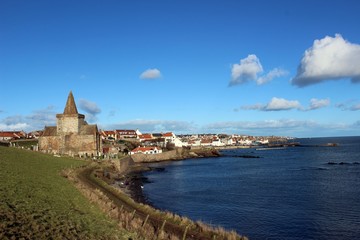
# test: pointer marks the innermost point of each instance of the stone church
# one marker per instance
(72, 135)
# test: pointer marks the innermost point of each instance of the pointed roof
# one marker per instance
(70, 107)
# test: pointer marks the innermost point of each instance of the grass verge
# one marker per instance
(36, 202)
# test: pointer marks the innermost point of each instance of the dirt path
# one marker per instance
(156, 221)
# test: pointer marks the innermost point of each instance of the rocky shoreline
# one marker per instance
(131, 179)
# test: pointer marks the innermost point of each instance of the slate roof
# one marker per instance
(70, 107)
(88, 130)
(49, 131)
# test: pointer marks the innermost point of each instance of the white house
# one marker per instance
(125, 133)
(216, 142)
(172, 138)
(146, 150)
(245, 142)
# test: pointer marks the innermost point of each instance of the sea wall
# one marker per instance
(125, 164)
(177, 154)
(122, 165)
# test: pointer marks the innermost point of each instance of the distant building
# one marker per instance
(11, 135)
(108, 135)
(72, 135)
(145, 137)
(121, 134)
(146, 150)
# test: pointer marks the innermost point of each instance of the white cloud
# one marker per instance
(257, 106)
(285, 127)
(318, 103)
(276, 72)
(275, 104)
(330, 58)
(155, 125)
(350, 105)
(14, 127)
(279, 104)
(249, 69)
(90, 108)
(34, 121)
(355, 107)
(151, 73)
(43, 117)
(266, 127)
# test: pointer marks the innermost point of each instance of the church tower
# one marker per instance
(70, 121)
(71, 135)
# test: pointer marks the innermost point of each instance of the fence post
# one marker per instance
(162, 228)
(133, 214)
(185, 232)
(119, 212)
(147, 217)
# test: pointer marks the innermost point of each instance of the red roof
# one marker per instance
(146, 136)
(168, 134)
(109, 132)
(144, 149)
(206, 141)
(11, 134)
(6, 134)
(126, 132)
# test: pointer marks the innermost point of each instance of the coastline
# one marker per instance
(145, 220)
(131, 179)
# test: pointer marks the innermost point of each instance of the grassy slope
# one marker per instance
(36, 202)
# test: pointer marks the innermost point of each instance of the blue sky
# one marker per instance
(288, 68)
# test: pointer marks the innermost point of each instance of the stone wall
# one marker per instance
(123, 165)
(66, 124)
(70, 144)
(80, 145)
(177, 154)
(49, 144)
(169, 155)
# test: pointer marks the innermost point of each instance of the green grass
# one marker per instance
(36, 202)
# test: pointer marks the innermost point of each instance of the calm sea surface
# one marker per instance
(291, 193)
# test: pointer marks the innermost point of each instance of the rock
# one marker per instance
(192, 154)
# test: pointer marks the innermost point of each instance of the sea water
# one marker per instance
(309, 192)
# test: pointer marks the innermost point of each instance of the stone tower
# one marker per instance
(72, 135)
(70, 121)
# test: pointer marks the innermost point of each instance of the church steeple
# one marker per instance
(70, 107)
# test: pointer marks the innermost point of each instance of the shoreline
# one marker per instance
(144, 218)
(132, 178)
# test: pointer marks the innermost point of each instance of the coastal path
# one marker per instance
(157, 222)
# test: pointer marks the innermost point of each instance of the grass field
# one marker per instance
(36, 202)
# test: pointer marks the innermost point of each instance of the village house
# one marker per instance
(172, 138)
(146, 150)
(72, 135)
(11, 135)
(108, 135)
(145, 137)
(206, 142)
(122, 134)
(216, 142)
(34, 134)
